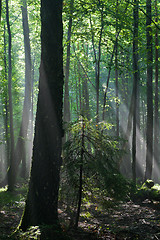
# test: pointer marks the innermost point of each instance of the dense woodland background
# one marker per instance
(110, 99)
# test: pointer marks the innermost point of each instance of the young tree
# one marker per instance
(42, 199)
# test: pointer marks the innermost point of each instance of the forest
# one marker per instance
(79, 120)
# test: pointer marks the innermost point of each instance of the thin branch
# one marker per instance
(82, 67)
(145, 14)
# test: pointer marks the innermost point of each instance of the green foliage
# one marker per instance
(44, 232)
(100, 157)
(12, 199)
(32, 233)
(148, 190)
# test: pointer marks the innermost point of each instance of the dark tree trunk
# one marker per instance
(156, 119)
(85, 98)
(85, 92)
(80, 175)
(136, 80)
(6, 117)
(42, 199)
(116, 74)
(149, 132)
(10, 173)
(98, 68)
(107, 83)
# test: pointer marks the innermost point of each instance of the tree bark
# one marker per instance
(19, 153)
(80, 175)
(11, 173)
(136, 80)
(149, 131)
(67, 116)
(156, 118)
(6, 117)
(97, 62)
(21, 146)
(116, 74)
(42, 198)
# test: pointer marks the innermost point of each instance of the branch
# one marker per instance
(145, 14)
(83, 67)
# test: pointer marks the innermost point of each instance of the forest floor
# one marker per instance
(126, 220)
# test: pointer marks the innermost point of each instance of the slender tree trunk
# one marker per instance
(144, 119)
(80, 176)
(0, 9)
(136, 80)
(156, 119)
(30, 144)
(98, 68)
(109, 71)
(77, 88)
(85, 98)
(129, 127)
(107, 84)
(66, 83)
(11, 173)
(149, 131)
(42, 199)
(85, 91)
(6, 118)
(19, 151)
(116, 74)
(21, 146)
(97, 62)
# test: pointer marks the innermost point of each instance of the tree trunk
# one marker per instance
(136, 80)
(85, 91)
(0, 9)
(19, 153)
(97, 62)
(156, 119)
(21, 146)
(109, 71)
(85, 98)
(42, 199)
(10, 173)
(149, 131)
(80, 175)
(6, 117)
(129, 128)
(116, 74)
(66, 83)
